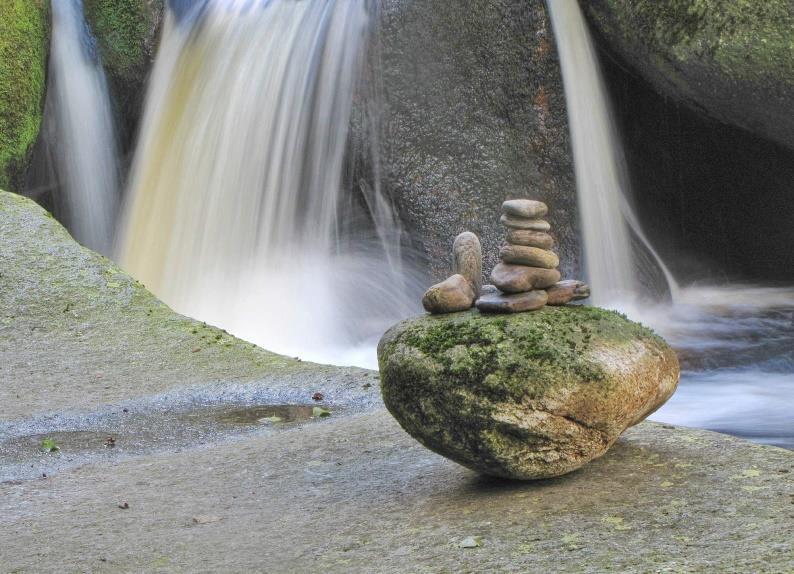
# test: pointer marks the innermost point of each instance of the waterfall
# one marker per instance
(606, 216)
(237, 210)
(85, 148)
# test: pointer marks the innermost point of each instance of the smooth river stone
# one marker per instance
(519, 223)
(520, 278)
(451, 295)
(564, 292)
(526, 208)
(467, 259)
(489, 290)
(530, 238)
(532, 256)
(518, 303)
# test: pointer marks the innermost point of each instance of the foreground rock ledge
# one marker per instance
(356, 494)
(77, 332)
(527, 396)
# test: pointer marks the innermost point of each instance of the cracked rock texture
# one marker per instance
(527, 396)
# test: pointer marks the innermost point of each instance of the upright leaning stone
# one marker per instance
(467, 259)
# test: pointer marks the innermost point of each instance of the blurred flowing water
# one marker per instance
(238, 213)
(736, 347)
(735, 343)
(84, 145)
(610, 228)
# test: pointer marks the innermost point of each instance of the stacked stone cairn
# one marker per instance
(526, 279)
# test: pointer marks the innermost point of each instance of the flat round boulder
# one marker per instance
(524, 396)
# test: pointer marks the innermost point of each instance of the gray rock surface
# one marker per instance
(357, 494)
(78, 332)
(474, 114)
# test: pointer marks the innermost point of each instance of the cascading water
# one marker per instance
(606, 217)
(85, 149)
(237, 212)
(734, 342)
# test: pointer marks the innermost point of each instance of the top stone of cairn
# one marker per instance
(525, 208)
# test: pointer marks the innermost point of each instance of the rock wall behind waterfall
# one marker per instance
(733, 60)
(473, 114)
(127, 33)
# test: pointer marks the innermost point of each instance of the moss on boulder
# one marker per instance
(733, 58)
(126, 32)
(531, 395)
(24, 37)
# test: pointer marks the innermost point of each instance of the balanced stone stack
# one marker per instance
(527, 277)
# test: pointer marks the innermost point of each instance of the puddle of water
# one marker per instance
(266, 415)
(118, 436)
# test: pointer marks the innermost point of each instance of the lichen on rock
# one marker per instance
(24, 34)
(531, 395)
(732, 58)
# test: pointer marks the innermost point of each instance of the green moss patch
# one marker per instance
(24, 32)
(748, 39)
(122, 29)
(510, 357)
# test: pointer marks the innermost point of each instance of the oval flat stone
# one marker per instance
(527, 208)
(564, 292)
(451, 295)
(532, 256)
(519, 223)
(519, 278)
(517, 303)
(530, 238)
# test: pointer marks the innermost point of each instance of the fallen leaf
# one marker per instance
(273, 419)
(320, 412)
(49, 445)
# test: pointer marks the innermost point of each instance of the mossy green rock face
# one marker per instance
(126, 32)
(527, 396)
(23, 55)
(732, 58)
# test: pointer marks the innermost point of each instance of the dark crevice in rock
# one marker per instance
(714, 199)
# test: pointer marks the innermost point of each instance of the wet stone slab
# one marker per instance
(355, 494)
(43, 447)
